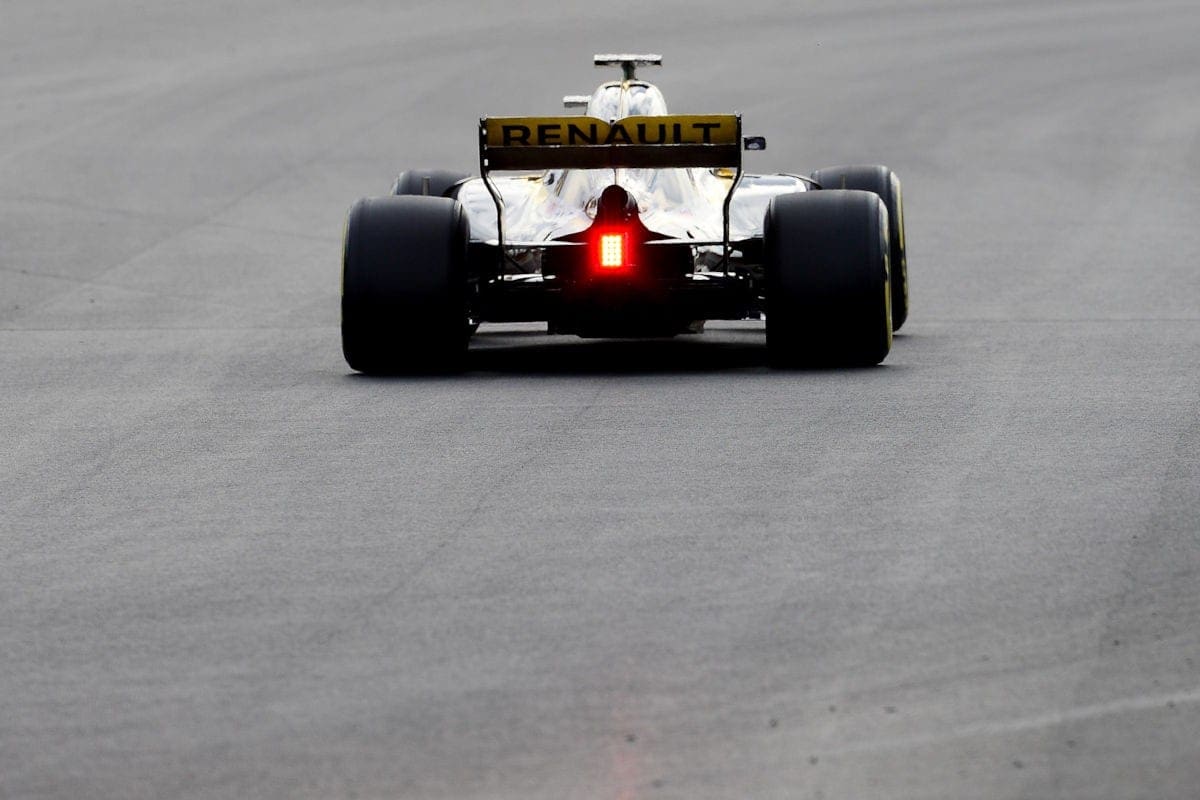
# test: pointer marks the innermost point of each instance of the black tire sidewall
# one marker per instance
(828, 295)
(404, 285)
(881, 181)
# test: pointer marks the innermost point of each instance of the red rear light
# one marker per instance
(612, 251)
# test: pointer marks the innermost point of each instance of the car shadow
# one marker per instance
(530, 351)
(570, 355)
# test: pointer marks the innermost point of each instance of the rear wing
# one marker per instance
(662, 142)
(537, 143)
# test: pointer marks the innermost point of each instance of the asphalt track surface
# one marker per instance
(231, 568)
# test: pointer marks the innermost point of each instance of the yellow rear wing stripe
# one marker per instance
(535, 143)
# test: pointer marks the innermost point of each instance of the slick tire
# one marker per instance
(828, 296)
(405, 285)
(883, 182)
(432, 182)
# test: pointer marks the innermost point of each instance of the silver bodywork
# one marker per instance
(675, 203)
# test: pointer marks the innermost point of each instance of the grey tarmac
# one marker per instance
(231, 568)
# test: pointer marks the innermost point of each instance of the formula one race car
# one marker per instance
(624, 222)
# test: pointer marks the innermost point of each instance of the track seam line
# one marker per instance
(1022, 724)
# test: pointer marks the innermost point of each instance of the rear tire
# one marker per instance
(828, 295)
(441, 182)
(404, 285)
(883, 182)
